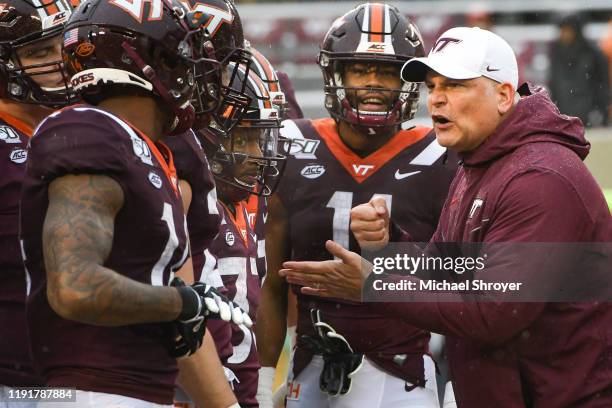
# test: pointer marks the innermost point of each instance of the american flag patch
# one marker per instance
(70, 37)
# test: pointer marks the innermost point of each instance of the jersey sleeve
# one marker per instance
(72, 142)
(188, 156)
(299, 150)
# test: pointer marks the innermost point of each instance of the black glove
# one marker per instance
(200, 302)
(341, 363)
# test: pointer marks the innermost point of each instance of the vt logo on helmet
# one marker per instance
(31, 67)
(115, 47)
(370, 42)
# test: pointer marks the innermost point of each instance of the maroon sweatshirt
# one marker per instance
(529, 185)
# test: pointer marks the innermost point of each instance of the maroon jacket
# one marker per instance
(531, 185)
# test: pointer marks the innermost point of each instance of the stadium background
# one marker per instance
(289, 33)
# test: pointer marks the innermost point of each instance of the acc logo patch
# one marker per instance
(19, 155)
(8, 135)
(85, 49)
(155, 180)
(230, 238)
(313, 171)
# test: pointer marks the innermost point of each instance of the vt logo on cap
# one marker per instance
(443, 42)
(466, 53)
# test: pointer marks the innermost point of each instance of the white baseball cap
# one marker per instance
(466, 53)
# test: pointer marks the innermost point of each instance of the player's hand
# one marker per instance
(200, 302)
(370, 224)
(218, 306)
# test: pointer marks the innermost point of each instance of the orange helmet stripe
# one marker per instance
(377, 22)
(265, 64)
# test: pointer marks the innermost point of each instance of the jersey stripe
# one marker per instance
(429, 155)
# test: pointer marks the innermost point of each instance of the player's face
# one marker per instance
(46, 51)
(372, 75)
(464, 112)
(247, 141)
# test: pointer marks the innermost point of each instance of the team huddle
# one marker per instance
(157, 173)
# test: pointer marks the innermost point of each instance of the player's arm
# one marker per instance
(77, 238)
(272, 312)
(201, 374)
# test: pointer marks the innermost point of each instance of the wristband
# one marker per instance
(192, 305)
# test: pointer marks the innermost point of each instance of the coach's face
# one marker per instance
(465, 112)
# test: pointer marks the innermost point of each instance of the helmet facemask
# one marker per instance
(343, 101)
(261, 119)
(233, 98)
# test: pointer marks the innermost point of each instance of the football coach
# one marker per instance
(522, 180)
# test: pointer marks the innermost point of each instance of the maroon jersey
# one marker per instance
(149, 244)
(15, 365)
(257, 209)
(235, 251)
(203, 216)
(323, 180)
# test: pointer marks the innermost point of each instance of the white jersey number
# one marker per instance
(342, 202)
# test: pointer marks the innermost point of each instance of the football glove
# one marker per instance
(340, 362)
(200, 302)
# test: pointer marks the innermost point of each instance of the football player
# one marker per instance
(31, 84)
(193, 170)
(348, 355)
(241, 166)
(281, 92)
(102, 223)
(283, 98)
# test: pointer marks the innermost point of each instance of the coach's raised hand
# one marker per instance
(370, 224)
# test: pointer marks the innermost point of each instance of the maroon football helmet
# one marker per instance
(29, 27)
(370, 33)
(226, 95)
(109, 44)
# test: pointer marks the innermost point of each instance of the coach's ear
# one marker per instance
(505, 98)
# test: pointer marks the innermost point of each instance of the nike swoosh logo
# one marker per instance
(489, 69)
(400, 176)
